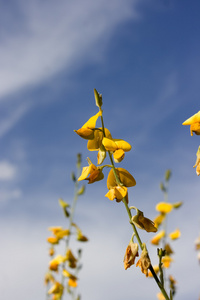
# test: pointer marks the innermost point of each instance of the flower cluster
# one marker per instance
(194, 122)
(166, 252)
(68, 264)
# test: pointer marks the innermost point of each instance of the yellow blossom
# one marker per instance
(156, 270)
(164, 207)
(55, 262)
(91, 173)
(57, 288)
(87, 130)
(143, 223)
(71, 259)
(159, 219)
(55, 229)
(124, 176)
(175, 234)
(156, 239)
(160, 296)
(117, 192)
(118, 146)
(144, 261)
(130, 255)
(166, 260)
(53, 240)
(72, 279)
(194, 123)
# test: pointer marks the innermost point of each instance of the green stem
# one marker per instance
(130, 216)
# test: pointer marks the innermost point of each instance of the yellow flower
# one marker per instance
(55, 262)
(71, 259)
(117, 146)
(156, 270)
(96, 144)
(164, 207)
(156, 239)
(124, 176)
(57, 288)
(143, 223)
(117, 192)
(87, 130)
(144, 261)
(72, 279)
(91, 173)
(53, 240)
(130, 255)
(166, 260)
(159, 219)
(197, 164)
(175, 234)
(194, 123)
(160, 296)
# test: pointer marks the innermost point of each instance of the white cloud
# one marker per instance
(43, 37)
(7, 170)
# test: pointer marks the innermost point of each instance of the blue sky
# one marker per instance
(143, 56)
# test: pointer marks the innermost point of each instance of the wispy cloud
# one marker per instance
(7, 170)
(41, 38)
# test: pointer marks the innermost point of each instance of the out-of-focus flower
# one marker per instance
(53, 240)
(57, 288)
(160, 296)
(91, 173)
(156, 270)
(143, 223)
(48, 278)
(166, 260)
(117, 146)
(197, 243)
(87, 130)
(159, 219)
(144, 261)
(194, 123)
(168, 249)
(175, 234)
(156, 239)
(56, 261)
(72, 282)
(71, 259)
(197, 164)
(164, 207)
(51, 251)
(130, 255)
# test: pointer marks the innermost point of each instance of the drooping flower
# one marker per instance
(175, 234)
(57, 288)
(56, 261)
(91, 173)
(159, 219)
(117, 146)
(130, 255)
(143, 223)
(87, 130)
(164, 207)
(194, 122)
(144, 261)
(71, 259)
(156, 239)
(118, 190)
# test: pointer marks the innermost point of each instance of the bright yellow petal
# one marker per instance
(118, 193)
(72, 283)
(166, 260)
(109, 144)
(175, 234)
(91, 123)
(95, 144)
(125, 177)
(121, 144)
(118, 155)
(85, 133)
(86, 171)
(156, 239)
(164, 207)
(193, 119)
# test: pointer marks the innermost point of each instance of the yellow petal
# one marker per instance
(118, 155)
(53, 240)
(193, 119)
(125, 177)
(72, 283)
(166, 260)
(85, 133)
(156, 239)
(121, 144)
(118, 193)
(91, 123)
(86, 171)
(164, 207)
(175, 234)
(109, 144)
(95, 144)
